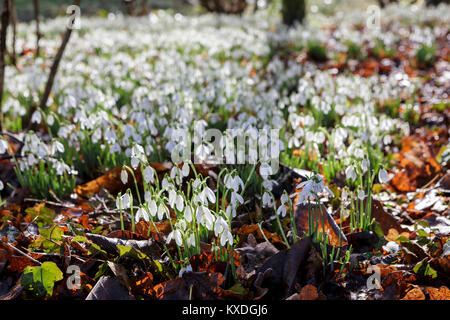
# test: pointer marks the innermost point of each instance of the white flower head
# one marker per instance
(383, 176)
(350, 173)
(124, 176)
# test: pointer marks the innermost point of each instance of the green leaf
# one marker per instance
(130, 252)
(48, 239)
(423, 268)
(92, 247)
(403, 239)
(40, 280)
(423, 223)
(239, 289)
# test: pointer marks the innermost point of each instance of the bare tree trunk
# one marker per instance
(54, 68)
(12, 12)
(38, 32)
(3, 33)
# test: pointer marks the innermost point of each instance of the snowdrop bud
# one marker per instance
(185, 169)
(361, 195)
(265, 170)
(149, 175)
(365, 165)
(124, 176)
(383, 176)
(267, 199)
(179, 203)
(153, 208)
(134, 163)
(50, 120)
(161, 212)
(284, 198)
(188, 214)
(350, 173)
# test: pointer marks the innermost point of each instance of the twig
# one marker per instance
(67, 205)
(21, 252)
(54, 68)
(12, 136)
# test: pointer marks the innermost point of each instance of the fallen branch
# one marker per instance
(54, 68)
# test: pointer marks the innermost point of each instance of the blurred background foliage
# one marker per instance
(52, 8)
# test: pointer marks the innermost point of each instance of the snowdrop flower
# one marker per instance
(207, 193)
(265, 170)
(350, 173)
(57, 147)
(219, 226)
(361, 195)
(162, 211)
(204, 216)
(188, 213)
(185, 169)
(365, 164)
(50, 120)
(141, 213)
(1, 185)
(312, 188)
(149, 175)
(267, 199)
(176, 234)
(36, 117)
(185, 270)
(123, 202)
(383, 176)
(134, 163)
(234, 183)
(235, 198)
(281, 210)
(191, 240)
(153, 209)
(124, 176)
(226, 237)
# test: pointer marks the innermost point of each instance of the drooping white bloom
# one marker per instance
(123, 202)
(365, 164)
(266, 199)
(188, 213)
(209, 194)
(361, 195)
(185, 270)
(383, 176)
(36, 117)
(152, 208)
(312, 188)
(141, 213)
(281, 211)
(179, 203)
(350, 173)
(149, 175)
(162, 211)
(124, 176)
(185, 169)
(176, 234)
